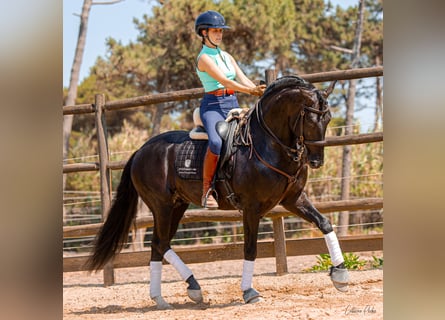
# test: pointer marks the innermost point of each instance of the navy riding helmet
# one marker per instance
(209, 19)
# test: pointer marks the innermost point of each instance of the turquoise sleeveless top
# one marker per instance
(224, 63)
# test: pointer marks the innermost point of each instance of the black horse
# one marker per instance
(284, 131)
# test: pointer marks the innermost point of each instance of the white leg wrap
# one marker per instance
(155, 278)
(246, 280)
(334, 248)
(171, 257)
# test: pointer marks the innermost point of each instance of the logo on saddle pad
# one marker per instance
(189, 159)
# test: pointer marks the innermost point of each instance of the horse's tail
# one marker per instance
(114, 232)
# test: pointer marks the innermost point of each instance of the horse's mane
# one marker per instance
(286, 82)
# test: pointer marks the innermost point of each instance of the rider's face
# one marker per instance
(215, 35)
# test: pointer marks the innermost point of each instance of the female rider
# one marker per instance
(220, 76)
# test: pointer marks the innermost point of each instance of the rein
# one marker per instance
(290, 179)
(290, 151)
(294, 154)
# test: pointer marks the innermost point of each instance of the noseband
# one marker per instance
(294, 154)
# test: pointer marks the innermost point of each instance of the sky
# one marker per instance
(116, 21)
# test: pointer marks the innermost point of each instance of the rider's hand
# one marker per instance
(258, 90)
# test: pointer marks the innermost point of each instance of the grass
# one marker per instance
(352, 262)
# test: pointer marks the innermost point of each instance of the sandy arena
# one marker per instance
(296, 295)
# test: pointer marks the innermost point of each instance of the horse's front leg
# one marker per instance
(250, 223)
(305, 209)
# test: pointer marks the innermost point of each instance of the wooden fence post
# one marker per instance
(105, 174)
(278, 223)
(279, 241)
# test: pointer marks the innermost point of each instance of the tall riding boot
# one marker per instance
(210, 161)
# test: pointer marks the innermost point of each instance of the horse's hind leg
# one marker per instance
(166, 225)
(304, 208)
(193, 289)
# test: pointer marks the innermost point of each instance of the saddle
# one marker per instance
(229, 131)
(190, 156)
(199, 132)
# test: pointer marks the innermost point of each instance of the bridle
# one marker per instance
(294, 153)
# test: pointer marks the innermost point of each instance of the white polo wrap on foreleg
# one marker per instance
(246, 280)
(155, 278)
(334, 248)
(171, 257)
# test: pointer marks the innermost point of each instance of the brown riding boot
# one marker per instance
(210, 162)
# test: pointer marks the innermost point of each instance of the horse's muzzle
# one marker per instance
(315, 164)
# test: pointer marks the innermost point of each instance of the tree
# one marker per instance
(261, 34)
(343, 221)
(373, 48)
(317, 30)
(75, 70)
(74, 77)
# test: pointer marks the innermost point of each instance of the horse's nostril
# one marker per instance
(315, 163)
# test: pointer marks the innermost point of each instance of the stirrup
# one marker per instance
(205, 199)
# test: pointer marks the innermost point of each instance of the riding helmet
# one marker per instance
(209, 19)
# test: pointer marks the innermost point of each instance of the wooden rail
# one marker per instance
(329, 142)
(197, 93)
(200, 215)
(279, 248)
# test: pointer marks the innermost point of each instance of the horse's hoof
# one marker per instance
(340, 278)
(255, 300)
(161, 304)
(195, 295)
(251, 296)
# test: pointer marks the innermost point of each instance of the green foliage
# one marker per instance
(83, 148)
(323, 263)
(377, 262)
(324, 183)
(352, 262)
(317, 29)
(206, 238)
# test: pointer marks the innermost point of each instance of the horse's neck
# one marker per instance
(273, 128)
(276, 146)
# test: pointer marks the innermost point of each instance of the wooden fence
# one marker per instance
(280, 248)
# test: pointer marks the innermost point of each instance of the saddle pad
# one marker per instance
(189, 159)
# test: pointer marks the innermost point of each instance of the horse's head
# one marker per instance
(314, 120)
(307, 112)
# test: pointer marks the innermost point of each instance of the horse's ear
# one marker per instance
(329, 90)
